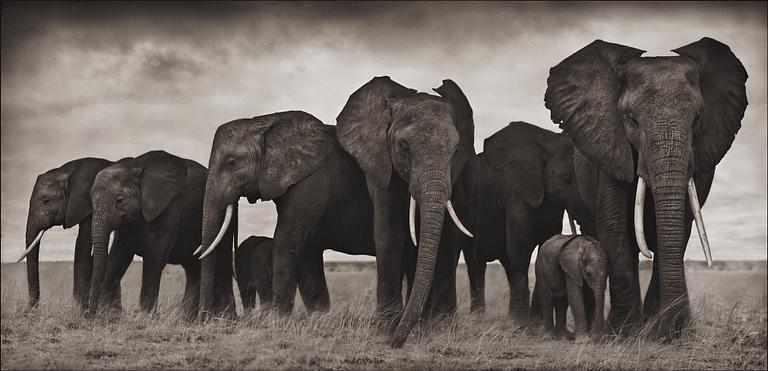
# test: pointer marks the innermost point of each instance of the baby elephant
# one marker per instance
(253, 267)
(563, 264)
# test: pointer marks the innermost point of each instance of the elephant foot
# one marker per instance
(549, 335)
(625, 324)
(582, 339)
(667, 325)
(387, 322)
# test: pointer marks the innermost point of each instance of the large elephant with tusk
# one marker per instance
(294, 160)
(150, 206)
(61, 196)
(518, 189)
(652, 130)
(411, 146)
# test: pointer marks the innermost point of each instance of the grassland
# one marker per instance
(729, 305)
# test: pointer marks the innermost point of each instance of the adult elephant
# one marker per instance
(411, 146)
(154, 205)
(294, 160)
(519, 188)
(659, 123)
(61, 196)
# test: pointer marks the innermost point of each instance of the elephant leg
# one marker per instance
(312, 285)
(534, 315)
(476, 273)
(390, 240)
(519, 247)
(576, 301)
(191, 298)
(288, 243)
(614, 232)
(589, 304)
(83, 266)
(119, 259)
(561, 310)
(545, 301)
(151, 272)
(409, 268)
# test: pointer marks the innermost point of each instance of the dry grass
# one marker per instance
(729, 332)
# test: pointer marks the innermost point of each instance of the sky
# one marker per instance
(119, 79)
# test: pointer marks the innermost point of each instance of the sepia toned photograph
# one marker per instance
(384, 185)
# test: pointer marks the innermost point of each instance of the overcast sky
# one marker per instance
(121, 79)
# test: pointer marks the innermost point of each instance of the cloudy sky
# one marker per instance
(121, 79)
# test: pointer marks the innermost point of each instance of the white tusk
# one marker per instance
(32, 245)
(572, 224)
(696, 208)
(220, 236)
(112, 237)
(199, 249)
(456, 220)
(412, 220)
(639, 226)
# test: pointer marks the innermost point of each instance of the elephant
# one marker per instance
(410, 146)
(253, 271)
(293, 159)
(154, 205)
(563, 265)
(61, 196)
(518, 189)
(648, 123)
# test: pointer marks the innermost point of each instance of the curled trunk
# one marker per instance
(433, 196)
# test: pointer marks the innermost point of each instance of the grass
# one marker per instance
(729, 307)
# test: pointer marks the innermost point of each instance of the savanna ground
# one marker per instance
(728, 303)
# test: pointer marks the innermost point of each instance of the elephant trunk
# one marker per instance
(100, 230)
(213, 217)
(433, 195)
(668, 181)
(34, 228)
(598, 323)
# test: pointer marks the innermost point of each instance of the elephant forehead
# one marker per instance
(661, 72)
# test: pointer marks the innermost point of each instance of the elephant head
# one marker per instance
(537, 163)
(660, 120)
(132, 190)
(60, 196)
(259, 158)
(583, 260)
(425, 141)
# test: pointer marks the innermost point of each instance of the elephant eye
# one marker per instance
(120, 200)
(46, 200)
(231, 161)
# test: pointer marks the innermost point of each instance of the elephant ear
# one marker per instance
(296, 144)
(517, 154)
(464, 122)
(571, 260)
(363, 123)
(582, 95)
(161, 176)
(81, 174)
(722, 79)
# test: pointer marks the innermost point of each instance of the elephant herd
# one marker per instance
(633, 166)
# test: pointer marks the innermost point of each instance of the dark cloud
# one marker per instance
(117, 79)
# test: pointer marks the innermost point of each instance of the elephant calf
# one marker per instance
(563, 264)
(253, 267)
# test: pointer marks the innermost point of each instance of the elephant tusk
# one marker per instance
(412, 220)
(696, 208)
(220, 236)
(639, 227)
(32, 245)
(572, 223)
(199, 249)
(456, 220)
(112, 237)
